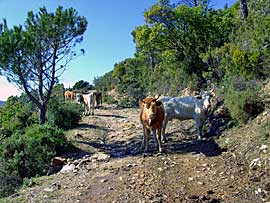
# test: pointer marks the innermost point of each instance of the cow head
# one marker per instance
(149, 107)
(206, 100)
(79, 98)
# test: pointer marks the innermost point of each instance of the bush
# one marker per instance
(241, 98)
(64, 115)
(108, 99)
(8, 183)
(29, 154)
(15, 115)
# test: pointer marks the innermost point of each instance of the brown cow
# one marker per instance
(151, 117)
(98, 99)
(69, 95)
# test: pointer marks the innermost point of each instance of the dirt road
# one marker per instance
(110, 166)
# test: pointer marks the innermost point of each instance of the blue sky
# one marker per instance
(107, 40)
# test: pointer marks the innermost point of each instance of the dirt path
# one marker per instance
(111, 168)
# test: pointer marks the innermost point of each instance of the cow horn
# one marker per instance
(157, 97)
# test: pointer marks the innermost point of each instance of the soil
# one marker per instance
(111, 168)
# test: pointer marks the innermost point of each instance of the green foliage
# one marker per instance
(265, 131)
(16, 115)
(29, 154)
(105, 83)
(58, 92)
(34, 56)
(65, 115)
(8, 182)
(108, 99)
(241, 98)
(83, 86)
(170, 50)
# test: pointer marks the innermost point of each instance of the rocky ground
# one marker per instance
(109, 167)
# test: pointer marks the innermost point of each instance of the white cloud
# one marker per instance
(7, 89)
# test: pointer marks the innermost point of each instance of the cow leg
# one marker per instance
(198, 127)
(87, 110)
(93, 108)
(143, 138)
(158, 138)
(147, 135)
(164, 125)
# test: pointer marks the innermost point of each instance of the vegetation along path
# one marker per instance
(109, 167)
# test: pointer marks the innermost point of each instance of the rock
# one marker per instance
(210, 192)
(263, 148)
(255, 179)
(160, 169)
(49, 189)
(56, 165)
(254, 163)
(100, 156)
(204, 165)
(193, 197)
(58, 161)
(200, 183)
(131, 165)
(104, 180)
(67, 168)
(190, 179)
(214, 200)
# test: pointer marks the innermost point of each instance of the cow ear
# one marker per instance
(141, 103)
(157, 97)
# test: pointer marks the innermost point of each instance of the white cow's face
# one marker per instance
(78, 98)
(206, 100)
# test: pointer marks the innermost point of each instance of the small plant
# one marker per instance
(109, 99)
(65, 115)
(240, 97)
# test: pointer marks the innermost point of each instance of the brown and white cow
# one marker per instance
(69, 95)
(151, 117)
(88, 101)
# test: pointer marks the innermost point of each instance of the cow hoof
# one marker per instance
(145, 154)
(159, 154)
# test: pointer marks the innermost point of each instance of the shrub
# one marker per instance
(241, 98)
(29, 154)
(64, 115)
(108, 99)
(15, 115)
(8, 183)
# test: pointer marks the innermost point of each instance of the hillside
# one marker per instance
(110, 167)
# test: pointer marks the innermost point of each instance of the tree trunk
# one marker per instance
(42, 115)
(244, 8)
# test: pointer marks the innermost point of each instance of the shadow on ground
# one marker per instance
(132, 147)
(181, 141)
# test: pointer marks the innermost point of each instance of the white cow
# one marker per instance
(184, 108)
(88, 101)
